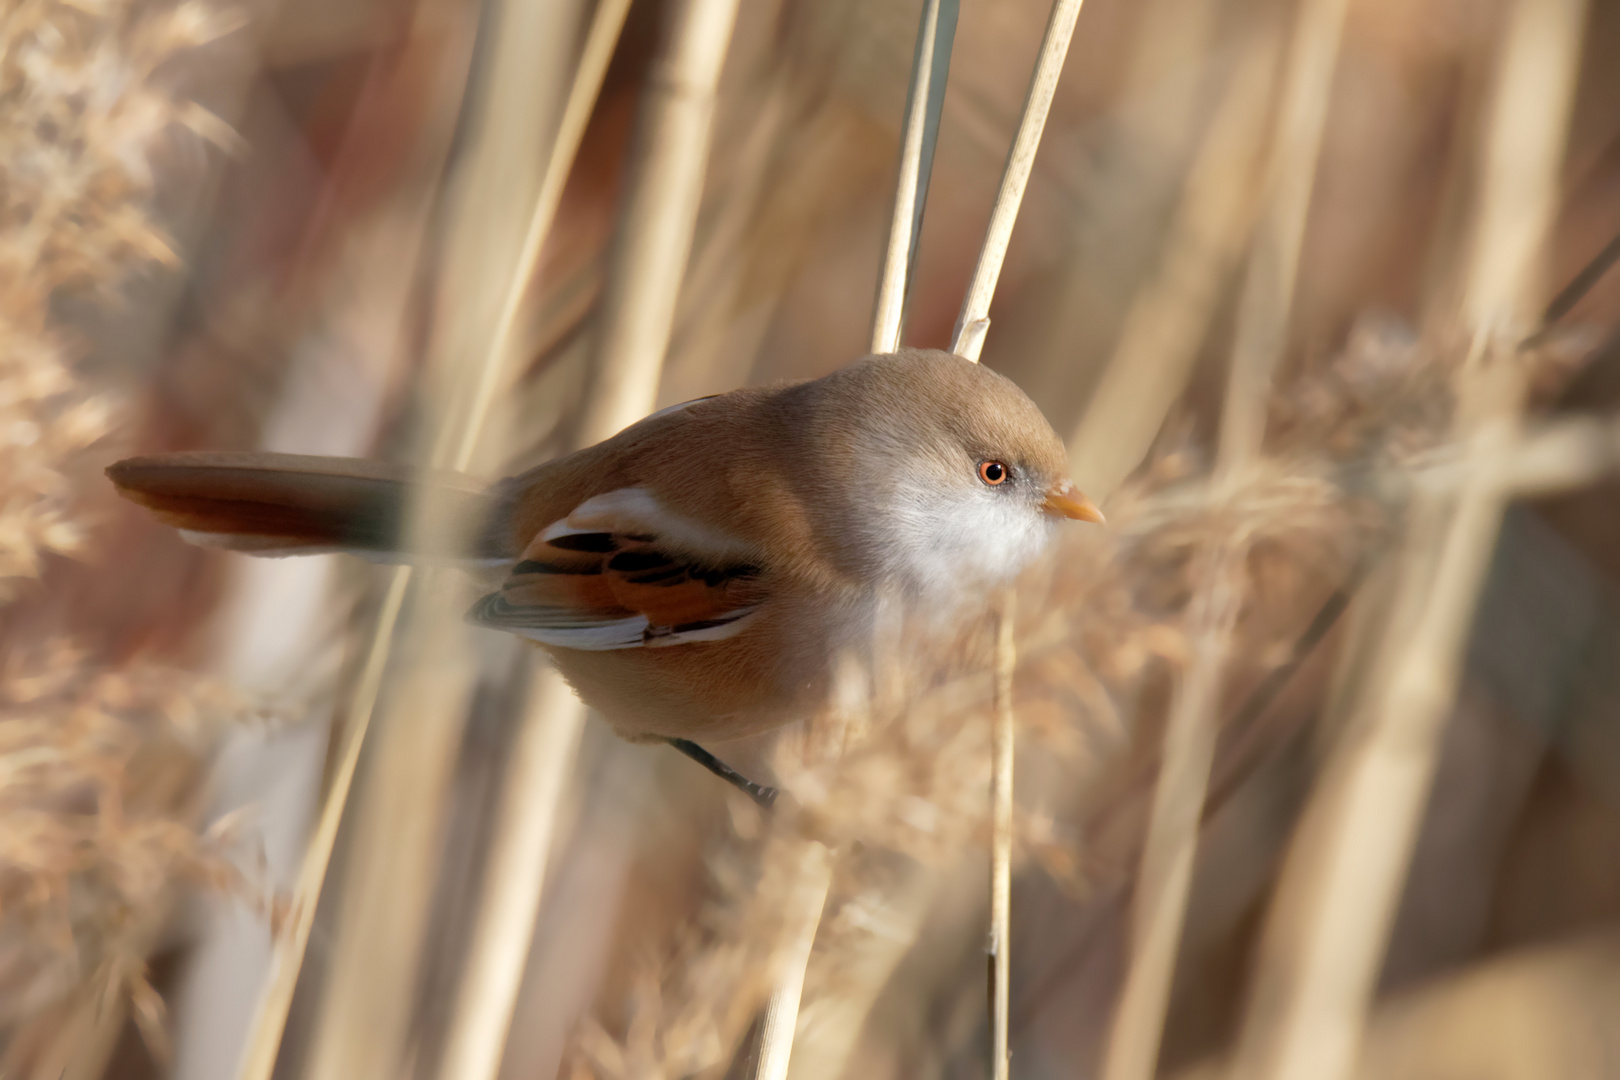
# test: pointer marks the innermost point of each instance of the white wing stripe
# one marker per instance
(637, 512)
(602, 637)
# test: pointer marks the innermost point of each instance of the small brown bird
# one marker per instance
(695, 575)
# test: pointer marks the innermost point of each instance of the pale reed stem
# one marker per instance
(909, 187)
(1561, 455)
(587, 86)
(262, 1049)
(1331, 919)
(660, 216)
(1165, 881)
(264, 1045)
(1338, 897)
(1001, 841)
(532, 789)
(1170, 315)
(655, 238)
(548, 734)
(974, 321)
(782, 1014)
(1265, 307)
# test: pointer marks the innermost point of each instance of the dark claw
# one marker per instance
(764, 796)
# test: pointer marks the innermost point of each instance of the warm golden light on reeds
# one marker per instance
(1340, 897)
(1264, 311)
(1314, 742)
(974, 321)
(545, 748)
(911, 182)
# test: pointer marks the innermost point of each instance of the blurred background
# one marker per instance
(290, 225)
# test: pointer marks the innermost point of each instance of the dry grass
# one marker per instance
(83, 112)
(102, 760)
(102, 774)
(1285, 586)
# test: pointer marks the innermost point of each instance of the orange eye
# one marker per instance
(993, 473)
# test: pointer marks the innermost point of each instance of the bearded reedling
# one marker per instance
(695, 575)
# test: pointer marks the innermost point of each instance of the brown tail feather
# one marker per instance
(288, 504)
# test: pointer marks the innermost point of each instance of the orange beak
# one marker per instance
(1065, 500)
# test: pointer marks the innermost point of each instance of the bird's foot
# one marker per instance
(761, 794)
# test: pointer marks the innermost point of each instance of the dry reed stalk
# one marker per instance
(834, 1022)
(600, 41)
(1268, 286)
(1563, 454)
(660, 215)
(1335, 902)
(1543, 1011)
(548, 735)
(930, 64)
(1327, 934)
(277, 614)
(1550, 457)
(1001, 840)
(1160, 340)
(432, 27)
(1165, 881)
(809, 897)
(968, 341)
(651, 252)
(533, 786)
(974, 321)
(103, 762)
(290, 948)
(270, 1024)
(911, 185)
(364, 1026)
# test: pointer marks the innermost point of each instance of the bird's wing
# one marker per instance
(622, 572)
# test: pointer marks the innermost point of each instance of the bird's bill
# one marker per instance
(1065, 500)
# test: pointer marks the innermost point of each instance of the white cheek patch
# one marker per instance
(941, 546)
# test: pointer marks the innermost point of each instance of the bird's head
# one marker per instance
(950, 477)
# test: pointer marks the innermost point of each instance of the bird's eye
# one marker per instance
(993, 473)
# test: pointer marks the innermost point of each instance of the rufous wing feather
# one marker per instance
(616, 580)
(294, 504)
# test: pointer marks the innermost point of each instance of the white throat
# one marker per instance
(946, 548)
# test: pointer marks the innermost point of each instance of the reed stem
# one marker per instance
(782, 1014)
(264, 1044)
(974, 321)
(1266, 305)
(1165, 881)
(1325, 940)
(929, 68)
(659, 218)
(600, 41)
(363, 1026)
(1170, 316)
(532, 789)
(1001, 841)
(654, 240)
(550, 725)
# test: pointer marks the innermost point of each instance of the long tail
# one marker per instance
(293, 504)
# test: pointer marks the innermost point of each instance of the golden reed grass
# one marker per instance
(864, 897)
(101, 758)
